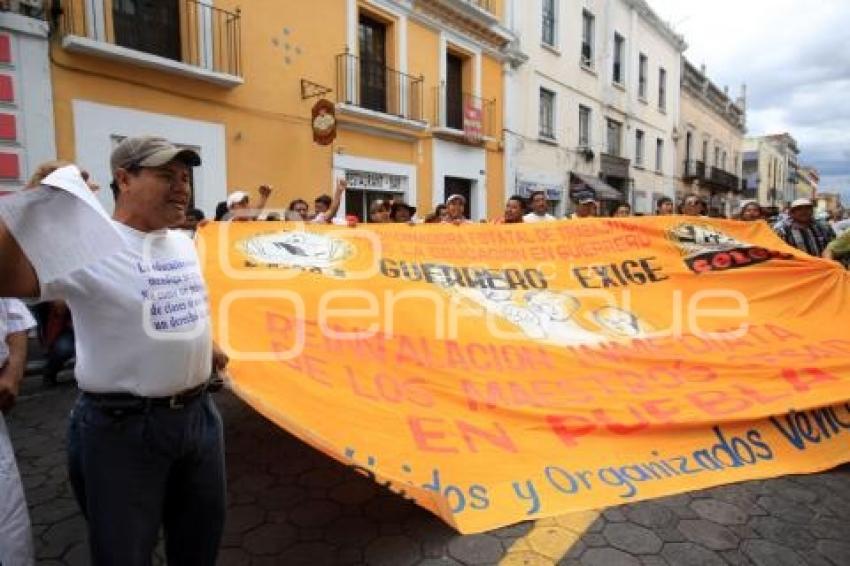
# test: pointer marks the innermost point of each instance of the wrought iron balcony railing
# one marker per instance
(724, 180)
(694, 169)
(372, 85)
(463, 111)
(187, 31)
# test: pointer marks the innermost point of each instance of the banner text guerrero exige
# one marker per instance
(500, 373)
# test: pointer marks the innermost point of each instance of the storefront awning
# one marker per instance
(601, 190)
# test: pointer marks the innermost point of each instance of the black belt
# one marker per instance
(135, 403)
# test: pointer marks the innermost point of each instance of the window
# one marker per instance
(723, 161)
(615, 130)
(643, 62)
(454, 91)
(639, 137)
(587, 25)
(373, 64)
(705, 152)
(662, 89)
(152, 27)
(659, 155)
(547, 114)
(716, 156)
(583, 126)
(548, 32)
(619, 48)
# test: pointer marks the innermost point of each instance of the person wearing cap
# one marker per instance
(539, 208)
(401, 212)
(239, 205)
(693, 205)
(455, 207)
(586, 208)
(802, 231)
(145, 440)
(750, 211)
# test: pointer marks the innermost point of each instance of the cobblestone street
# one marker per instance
(292, 505)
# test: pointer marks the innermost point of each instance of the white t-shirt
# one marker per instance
(14, 317)
(534, 217)
(141, 317)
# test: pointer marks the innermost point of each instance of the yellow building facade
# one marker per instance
(416, 87)
(712, 128)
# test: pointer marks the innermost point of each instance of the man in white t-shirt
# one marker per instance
(539, 208)
(145, 441)
(15, 533)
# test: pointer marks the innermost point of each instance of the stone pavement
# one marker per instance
(291, 505)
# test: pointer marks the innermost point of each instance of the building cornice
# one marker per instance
(662, 27)
(697, 85)
(467, 20)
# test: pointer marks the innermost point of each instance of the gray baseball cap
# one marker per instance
(150, 151)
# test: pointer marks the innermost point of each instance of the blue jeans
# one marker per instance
(133, 472)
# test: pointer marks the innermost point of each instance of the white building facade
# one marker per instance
(596, 106)
(770, 169)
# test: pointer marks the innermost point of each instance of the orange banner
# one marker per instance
(496, 373)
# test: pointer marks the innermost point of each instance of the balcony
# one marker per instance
(463, 115)
(190, 38)
(723, 180)
(370, 89)
(694, 170)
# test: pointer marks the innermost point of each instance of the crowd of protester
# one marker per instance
(796, 224)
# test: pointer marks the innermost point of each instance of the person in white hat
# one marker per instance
(586, 208)
(239, 205)
(455, 207)
(802, 231)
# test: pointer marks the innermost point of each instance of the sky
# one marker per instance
(793, 55)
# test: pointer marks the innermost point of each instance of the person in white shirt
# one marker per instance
(15, 532)
(145, 440)
(539, 208)
(586, 208)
